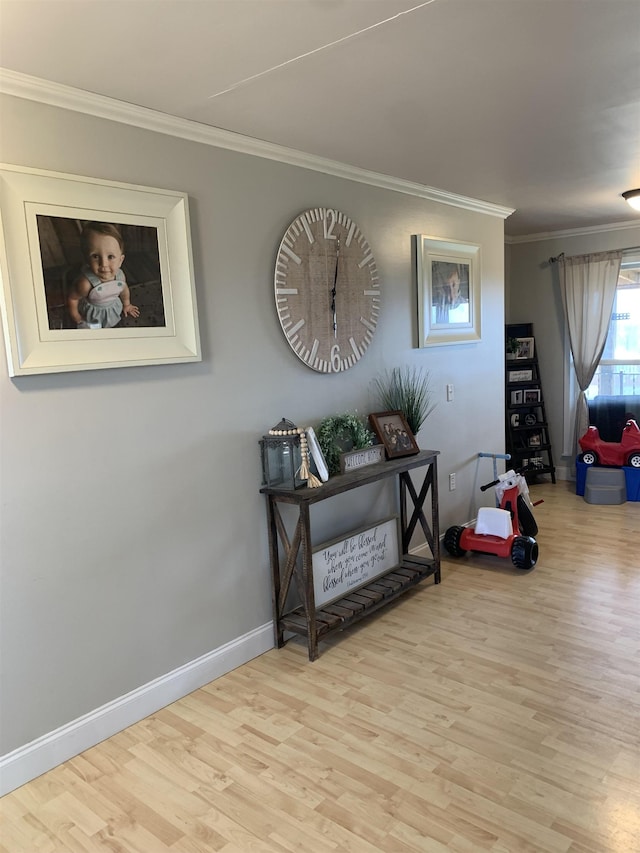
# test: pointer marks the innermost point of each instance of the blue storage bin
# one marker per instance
(632, 476)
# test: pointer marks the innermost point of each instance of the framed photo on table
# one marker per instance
(394, 433)
(447, 274)
(45, 216)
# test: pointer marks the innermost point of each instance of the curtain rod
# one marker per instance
(628, 249)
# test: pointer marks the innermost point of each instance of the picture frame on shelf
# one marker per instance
(38, 272)
(516, 397)
(531, 395)
(526, 348)
(447, 274)
(535, 439)
(394, 433)
(520, 375)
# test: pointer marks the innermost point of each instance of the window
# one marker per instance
(619, 371)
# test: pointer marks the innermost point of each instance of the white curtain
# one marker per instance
(588, 285)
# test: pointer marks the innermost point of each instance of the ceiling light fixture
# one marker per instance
(632, 197)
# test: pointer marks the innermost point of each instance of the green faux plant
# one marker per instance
(339, 433)
(406, 390)
(512, 345)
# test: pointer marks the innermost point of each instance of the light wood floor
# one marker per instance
(499, 711)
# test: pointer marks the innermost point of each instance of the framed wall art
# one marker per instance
(95, 274)
(447, 276)
(394, 433)
(531, 395)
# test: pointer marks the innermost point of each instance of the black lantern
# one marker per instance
(282, 456)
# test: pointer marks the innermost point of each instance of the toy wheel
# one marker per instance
(589, 458)
(452, 541)
(527, 522)
(634, 460)
(524, 552)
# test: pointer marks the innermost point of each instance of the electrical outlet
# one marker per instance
(452, 482)
(450, 393)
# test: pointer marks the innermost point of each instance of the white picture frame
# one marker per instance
(526, 348)
(29, 197)
(447, 274)
(520, 376)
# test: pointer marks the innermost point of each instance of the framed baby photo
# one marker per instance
(94, 274)
(447, 275)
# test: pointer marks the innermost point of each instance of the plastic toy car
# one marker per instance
(505, 531)
(625, 452)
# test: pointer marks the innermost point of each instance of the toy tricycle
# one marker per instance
(506, 530)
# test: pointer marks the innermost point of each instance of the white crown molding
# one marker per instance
(575, 232)
(46, 752)
(67, 97)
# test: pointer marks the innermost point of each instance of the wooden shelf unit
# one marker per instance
(290, 553)
(527, 419)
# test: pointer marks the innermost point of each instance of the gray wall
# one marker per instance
(533, 295)
(133, 533)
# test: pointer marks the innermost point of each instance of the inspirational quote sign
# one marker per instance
(343, 566)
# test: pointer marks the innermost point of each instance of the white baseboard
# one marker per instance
(29, 761)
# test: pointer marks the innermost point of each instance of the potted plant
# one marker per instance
(407, 390)
(512, 347)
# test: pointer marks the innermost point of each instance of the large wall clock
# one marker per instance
(327, 290)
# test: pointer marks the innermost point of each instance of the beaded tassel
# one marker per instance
(305, 471)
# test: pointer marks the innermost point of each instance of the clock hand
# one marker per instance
(333, 291)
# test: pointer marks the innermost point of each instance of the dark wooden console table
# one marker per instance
(315, 624)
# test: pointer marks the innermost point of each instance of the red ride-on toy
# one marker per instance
(616, 453)
(506, 530)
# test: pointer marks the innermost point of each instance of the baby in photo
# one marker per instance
(100, 296)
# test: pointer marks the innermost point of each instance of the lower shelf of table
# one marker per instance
(366, 599)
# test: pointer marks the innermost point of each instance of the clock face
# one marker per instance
(327, 290)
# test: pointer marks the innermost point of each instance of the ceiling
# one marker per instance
(527, 104)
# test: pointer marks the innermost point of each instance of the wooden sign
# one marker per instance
(343, 565)
(520, 376)
(359, 458)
